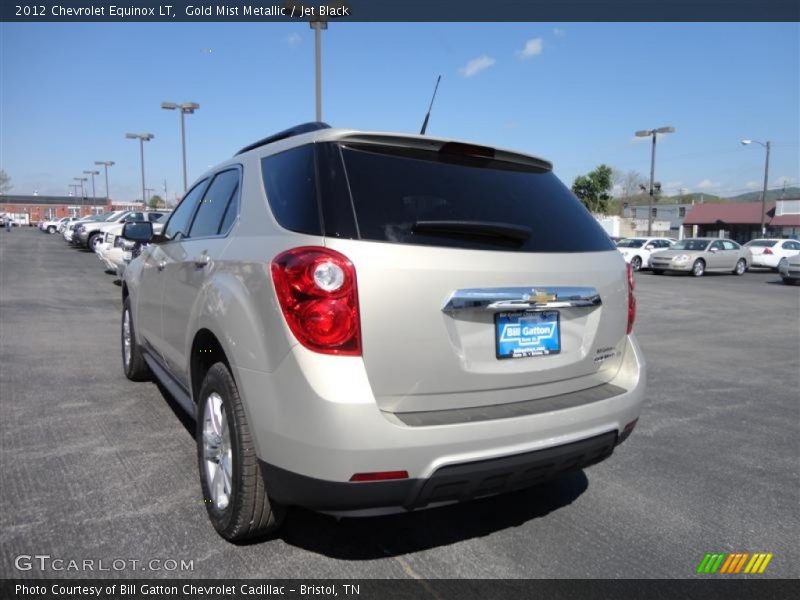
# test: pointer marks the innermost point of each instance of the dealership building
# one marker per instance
(32, 209)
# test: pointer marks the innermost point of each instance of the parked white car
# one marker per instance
(637, 250)
(771, 252)
(54, 225)
(115, 251)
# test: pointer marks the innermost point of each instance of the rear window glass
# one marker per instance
(433, 200)
(762, 243)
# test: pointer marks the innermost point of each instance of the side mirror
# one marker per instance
(649, 247)
(139, 231)
(712, 249)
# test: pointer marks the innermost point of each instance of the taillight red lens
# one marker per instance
(318, 295)
(631, 299)
(767, 251)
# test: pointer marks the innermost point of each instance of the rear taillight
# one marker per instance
(767, 251)
(318, 295)
(631, 299)
(380, 476)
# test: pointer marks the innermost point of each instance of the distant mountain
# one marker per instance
(775, 194)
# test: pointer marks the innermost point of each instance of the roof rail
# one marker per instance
(286, 133)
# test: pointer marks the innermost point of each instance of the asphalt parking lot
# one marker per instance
(95, 466)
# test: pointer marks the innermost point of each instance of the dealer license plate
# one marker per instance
(521, 334)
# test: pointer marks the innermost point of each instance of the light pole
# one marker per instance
(142, 137)
(83, 194)
(106, 164)
(92, 174)
(318, 26)
(187, 108)
(768, 146)
(654, 133)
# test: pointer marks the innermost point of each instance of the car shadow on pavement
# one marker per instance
(369, 538)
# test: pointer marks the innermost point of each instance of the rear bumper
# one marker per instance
(770, 261)
(315, 424)
(454, 483)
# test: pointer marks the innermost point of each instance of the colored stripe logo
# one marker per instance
(732, 563)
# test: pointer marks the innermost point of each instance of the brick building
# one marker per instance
(33, 209)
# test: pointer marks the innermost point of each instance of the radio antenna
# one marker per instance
(428, 115)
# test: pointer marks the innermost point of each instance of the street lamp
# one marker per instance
(142, 137)
(106, 164)
(187, 108)
(766, 145)
(654, 133)
(92, 174)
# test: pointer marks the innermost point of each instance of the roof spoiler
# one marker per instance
(286, 133)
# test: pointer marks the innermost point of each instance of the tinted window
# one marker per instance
(290, 183)
(761, 243)
(182, 215)
(215, 201)
(690, 244)
(728, 245)
(435, 199)
(716, 245)
(630, 243)
(229, 217)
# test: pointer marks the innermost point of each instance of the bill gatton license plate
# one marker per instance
(521, 334)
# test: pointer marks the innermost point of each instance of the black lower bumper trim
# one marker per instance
(459, 483)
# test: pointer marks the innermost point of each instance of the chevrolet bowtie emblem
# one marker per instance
(539, 297)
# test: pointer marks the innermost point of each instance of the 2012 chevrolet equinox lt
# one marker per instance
(382, 321)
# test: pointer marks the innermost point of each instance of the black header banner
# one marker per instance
(398, 10)
(710, 588)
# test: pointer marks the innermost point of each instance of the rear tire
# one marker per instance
(698, 268)
(233, 488)
(133, 363)
(741, 267)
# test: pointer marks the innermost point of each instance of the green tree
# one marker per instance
(5, 182)
(156, 201)
(593, 188)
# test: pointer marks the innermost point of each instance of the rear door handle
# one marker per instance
(202, 260)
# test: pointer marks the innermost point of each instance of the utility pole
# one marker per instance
(652, 133)
(768, 146)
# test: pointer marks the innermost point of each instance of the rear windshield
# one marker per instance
(425, 198)
(396, 198)
(630, 243)
(695, 245)
(762, 243)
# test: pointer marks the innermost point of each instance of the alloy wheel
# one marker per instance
(217, 452)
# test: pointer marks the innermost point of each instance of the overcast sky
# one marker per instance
(572, 93)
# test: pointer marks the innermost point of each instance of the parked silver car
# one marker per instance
(698, 255)
(789, 268)
(382, 321)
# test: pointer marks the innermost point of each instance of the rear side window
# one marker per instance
(290, 183)
(222, 190)
(178, 223)
(436, 200)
